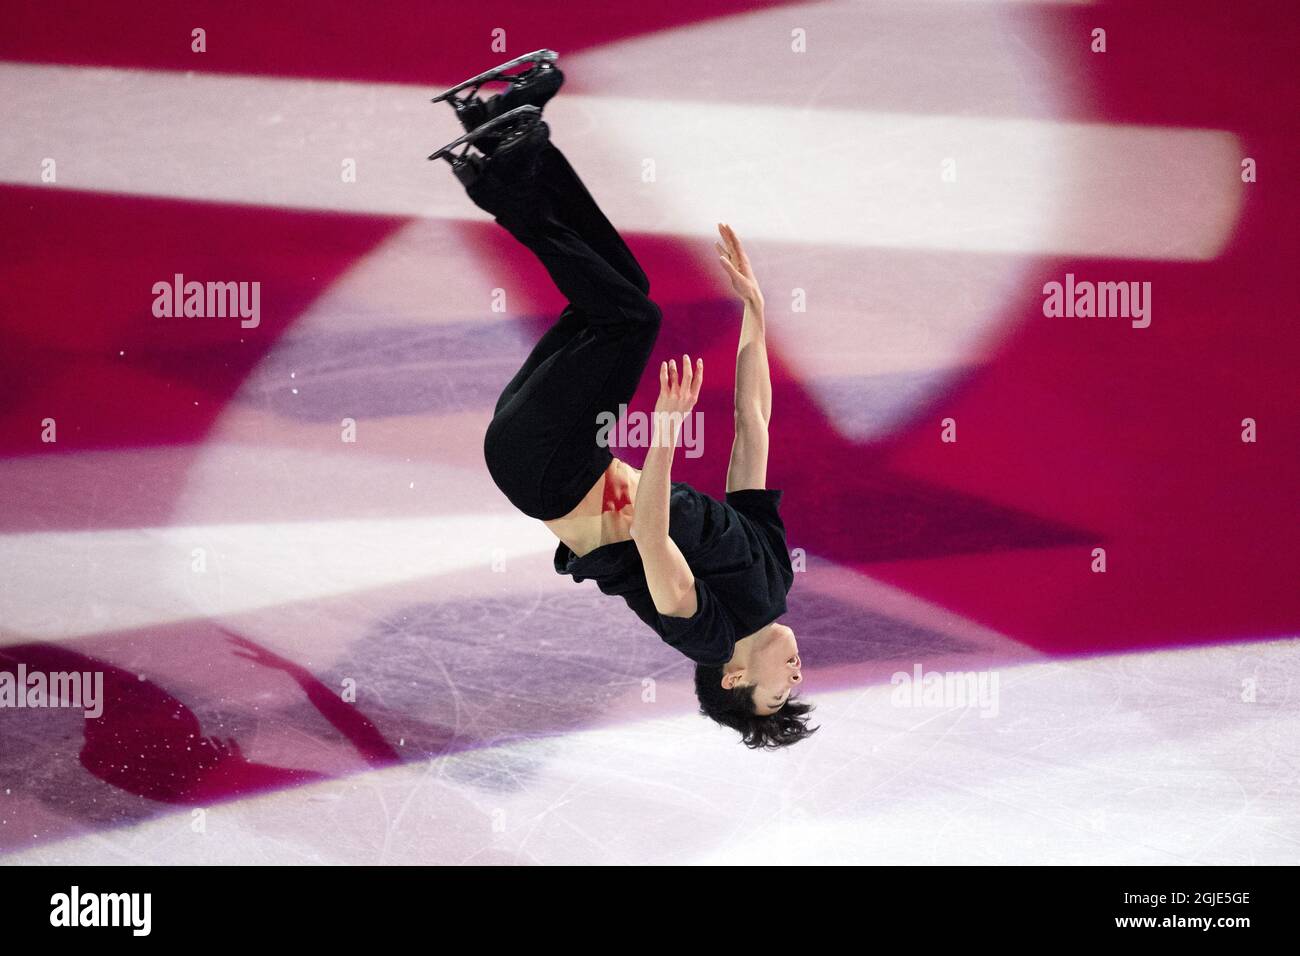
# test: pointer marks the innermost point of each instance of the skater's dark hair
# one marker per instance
(735, 708)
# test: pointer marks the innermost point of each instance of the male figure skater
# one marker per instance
(710, 577)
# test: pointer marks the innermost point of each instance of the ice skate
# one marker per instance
(531, 87)
(510, 131)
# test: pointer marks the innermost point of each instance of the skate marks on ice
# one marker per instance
(1126, 759)
(476, 678)
(493, 670)
(411, 370)
(159, 742)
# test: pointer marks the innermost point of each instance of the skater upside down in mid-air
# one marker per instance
(709, 576)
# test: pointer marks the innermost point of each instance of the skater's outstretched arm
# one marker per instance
(753, 406)
(667, 575)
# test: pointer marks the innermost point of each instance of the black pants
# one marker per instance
(541, 447)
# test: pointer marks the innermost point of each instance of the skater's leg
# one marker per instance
(535, 85)
(541, 447)
(524, 189)
(533, 80)
(577, 209)
(569, 324)
(597, 289)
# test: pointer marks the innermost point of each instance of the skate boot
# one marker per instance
(531, 87)
(519, 136)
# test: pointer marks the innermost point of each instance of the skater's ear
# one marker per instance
(734, 708)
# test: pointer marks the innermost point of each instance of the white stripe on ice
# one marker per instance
(73, 583)
(825, 176)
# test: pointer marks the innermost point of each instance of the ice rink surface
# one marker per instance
(322, 651)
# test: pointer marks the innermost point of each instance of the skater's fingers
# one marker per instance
(737, 277)
(738, 248)
(721, 251)
(729, 238)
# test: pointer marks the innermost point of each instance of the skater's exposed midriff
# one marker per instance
(604, 516)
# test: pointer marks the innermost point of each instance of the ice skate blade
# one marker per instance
(487, 129)
(537, 56)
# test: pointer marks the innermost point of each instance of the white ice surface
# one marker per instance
(1130, 759)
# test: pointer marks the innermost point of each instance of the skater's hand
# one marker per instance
(732, 256)
(677, 396)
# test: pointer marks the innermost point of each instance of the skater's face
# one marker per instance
(774, 668)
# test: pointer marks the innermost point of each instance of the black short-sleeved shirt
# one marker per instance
(737, 551)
